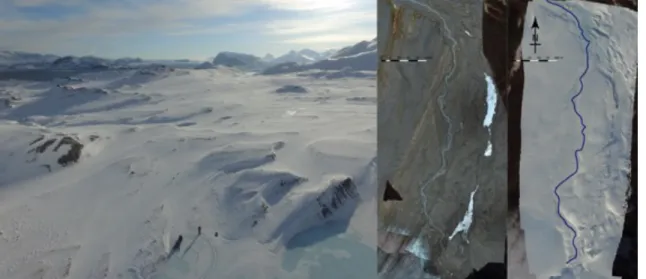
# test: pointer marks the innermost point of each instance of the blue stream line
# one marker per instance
(583, 126)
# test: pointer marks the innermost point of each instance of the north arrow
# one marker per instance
(535, 36)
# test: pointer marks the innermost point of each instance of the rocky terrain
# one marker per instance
(432, 142)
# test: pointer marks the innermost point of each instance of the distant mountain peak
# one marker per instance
(356, 49)
(303, 56)
(238, 60)
(308, 51)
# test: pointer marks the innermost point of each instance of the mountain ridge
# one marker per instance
(358, 56)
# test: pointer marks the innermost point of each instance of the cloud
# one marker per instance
(136, 16)
(312, 5)
(40, 3)
(30, 3)
(189, 30)
(327, 22)
(290, 21)
(331, 39)
(324, 29)
(111, 19)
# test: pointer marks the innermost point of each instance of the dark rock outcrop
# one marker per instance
(291, 89)
(41, 148)
(332, 200)
(72, 156)
(74, 153)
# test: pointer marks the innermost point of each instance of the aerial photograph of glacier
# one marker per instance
(508, 149)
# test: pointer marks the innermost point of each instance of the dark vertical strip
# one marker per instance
(509, 84)
(503, 22)
(501, 39)
(625, 262)
(516, 13)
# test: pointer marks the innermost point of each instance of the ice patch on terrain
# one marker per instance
(492, 98)
(418, 248)
(465, 224)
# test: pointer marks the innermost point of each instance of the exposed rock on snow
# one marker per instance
(73, 146)
(291, 89)
(334, 200)
(340, 192)
(47, 152)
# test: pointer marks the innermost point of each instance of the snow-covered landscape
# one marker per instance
(103, 164)
(582, 243)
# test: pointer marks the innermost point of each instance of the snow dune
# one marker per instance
(99, 174)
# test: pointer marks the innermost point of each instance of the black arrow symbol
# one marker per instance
(391, 194)
(535, 35)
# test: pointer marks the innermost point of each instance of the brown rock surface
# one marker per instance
(432, 141)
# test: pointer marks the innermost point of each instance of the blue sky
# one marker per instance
(175, 29)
